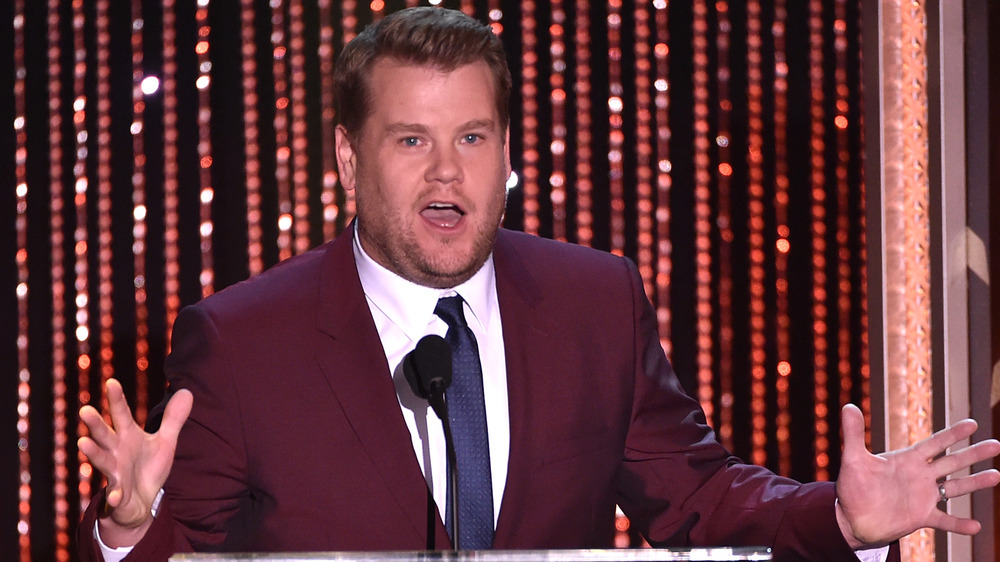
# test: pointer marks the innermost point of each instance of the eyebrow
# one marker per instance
(403, 127)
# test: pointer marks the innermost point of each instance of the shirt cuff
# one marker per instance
(873, 554)
(117, 554)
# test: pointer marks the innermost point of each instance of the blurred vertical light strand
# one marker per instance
(282, 172)
(818, 213)
(616, 132)
(81, 288)
(204, 85)
(104, 232)
(644, 146)
(840, 123)
(664, 180)
(755, 201)
(327, 58)
(495, 17)
(723, 221)
(782, 244)
(584, 123)
(702, 212)
(299, 140)
(557, 101)
(58, 225)
(21, 223)
(251, 134)
(529, 120)
(139, 209)
(171, 254)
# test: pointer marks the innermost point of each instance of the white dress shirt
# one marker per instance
(404, 313)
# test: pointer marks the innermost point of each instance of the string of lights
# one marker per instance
(844, 285)
(755, 198)
(664, 181)
(327, 58)
(495, 16)
(644, 147)
(21, 258)
(171, 251)
(529, 119)
(282, 171)
(104, 233)
(584, 138)
(557, 101)
(60, 402)
(141, 85)
(724, 220)
(616, 134)
(203, 84)
(300, 158)
(251, 132)
(818, 212)
(703, 206)
(60, 347)
(782, 245)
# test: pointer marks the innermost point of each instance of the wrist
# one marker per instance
(116, 535)
(845, 527)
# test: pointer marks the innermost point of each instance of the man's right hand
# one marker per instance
(135, 463)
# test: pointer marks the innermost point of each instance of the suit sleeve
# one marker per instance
(682, 488)
(207, 483)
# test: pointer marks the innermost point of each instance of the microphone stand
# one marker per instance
(452, 465)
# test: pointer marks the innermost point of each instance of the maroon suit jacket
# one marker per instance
(296, 441)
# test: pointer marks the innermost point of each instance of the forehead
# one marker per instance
(409, 93)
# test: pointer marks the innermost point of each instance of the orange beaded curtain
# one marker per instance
(156, 152)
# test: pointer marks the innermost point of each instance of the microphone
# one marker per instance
(428, 370)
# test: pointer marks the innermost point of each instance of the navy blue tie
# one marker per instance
(467, 413)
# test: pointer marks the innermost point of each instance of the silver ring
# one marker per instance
(943, 497)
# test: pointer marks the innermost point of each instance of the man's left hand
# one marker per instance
(881, 498)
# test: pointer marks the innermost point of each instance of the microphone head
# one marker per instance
(428, 366)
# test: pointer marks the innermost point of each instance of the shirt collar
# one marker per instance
(411, 306)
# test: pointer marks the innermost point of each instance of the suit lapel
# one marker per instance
(525, 335)
(353, 362)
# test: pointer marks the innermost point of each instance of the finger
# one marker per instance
(966, 457)
(962, 485)
(852, 424)
(940, 441)
(949, 523)
(99, 430)
(99, 457)
(114, 495)
(175, 414)
(121, 415)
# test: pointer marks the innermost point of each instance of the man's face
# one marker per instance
(428, 169)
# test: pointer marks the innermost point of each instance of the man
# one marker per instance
(293, 430)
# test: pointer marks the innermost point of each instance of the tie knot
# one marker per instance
(450, 310)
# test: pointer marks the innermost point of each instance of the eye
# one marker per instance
(410, 141)
(471, 138)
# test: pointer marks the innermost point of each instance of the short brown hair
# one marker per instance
(436, 37)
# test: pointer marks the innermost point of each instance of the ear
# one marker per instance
(506, 153)
(347, 159)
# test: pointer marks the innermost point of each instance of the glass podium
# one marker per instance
(596, 555)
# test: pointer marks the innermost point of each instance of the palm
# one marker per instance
(885, 497)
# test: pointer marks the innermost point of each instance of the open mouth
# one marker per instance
(445, 215)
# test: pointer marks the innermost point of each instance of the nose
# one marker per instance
(445, 165)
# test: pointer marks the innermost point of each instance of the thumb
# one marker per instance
(176, 413)
(852, 425)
